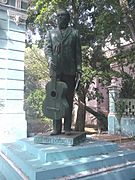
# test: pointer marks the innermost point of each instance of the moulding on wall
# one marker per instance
(3, 1)
(17, 17)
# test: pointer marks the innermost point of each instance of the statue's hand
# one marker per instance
(79, 73)
(51, 65)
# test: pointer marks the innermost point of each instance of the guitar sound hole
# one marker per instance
(53, 93)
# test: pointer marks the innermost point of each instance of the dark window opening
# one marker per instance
(24, 5)
(11, 2)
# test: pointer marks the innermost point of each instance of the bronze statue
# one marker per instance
(63, 52)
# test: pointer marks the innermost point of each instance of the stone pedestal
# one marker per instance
(89, 160)
(69, 140)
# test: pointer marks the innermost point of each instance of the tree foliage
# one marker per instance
(104, 25)
(36, 76)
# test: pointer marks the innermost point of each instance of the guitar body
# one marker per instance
(55, 104)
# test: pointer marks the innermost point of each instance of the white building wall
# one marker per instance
(12, 45)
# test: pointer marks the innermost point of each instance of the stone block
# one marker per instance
(70, 140)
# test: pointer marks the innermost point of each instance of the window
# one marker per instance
(24, 5)
(11, 2)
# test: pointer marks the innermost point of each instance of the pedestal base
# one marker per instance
(90, 160)
(70, 140)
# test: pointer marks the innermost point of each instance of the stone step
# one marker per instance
(8, 170)
(125, 173)
(21, 159)
(35, 169)
(50, 153)
(2, 176)
(91, 163)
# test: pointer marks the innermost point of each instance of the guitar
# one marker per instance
(55, 104)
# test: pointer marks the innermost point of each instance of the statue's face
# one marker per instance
(63, 20)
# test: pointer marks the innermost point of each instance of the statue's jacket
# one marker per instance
(64, 49)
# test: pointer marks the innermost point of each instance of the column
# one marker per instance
(113, 118)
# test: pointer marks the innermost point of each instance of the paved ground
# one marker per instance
(129, 145)
(123, 141)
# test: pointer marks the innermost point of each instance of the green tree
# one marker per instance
(36, 76)
(101, 24)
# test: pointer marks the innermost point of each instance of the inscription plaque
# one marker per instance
(74, 139)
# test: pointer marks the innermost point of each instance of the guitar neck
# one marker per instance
(53, 79)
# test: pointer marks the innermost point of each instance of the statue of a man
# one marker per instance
(63, 43)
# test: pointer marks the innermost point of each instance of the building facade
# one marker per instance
(12, 45)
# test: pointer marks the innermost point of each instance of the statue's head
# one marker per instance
(63, 18)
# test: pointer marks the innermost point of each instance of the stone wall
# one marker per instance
(12, 45)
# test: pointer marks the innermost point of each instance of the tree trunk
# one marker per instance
(101, 117)
(80, 121)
